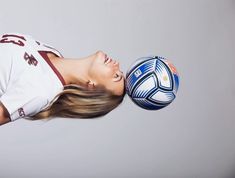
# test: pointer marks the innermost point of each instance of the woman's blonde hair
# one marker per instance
(79, 102)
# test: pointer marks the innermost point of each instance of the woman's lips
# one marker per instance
(109, 60)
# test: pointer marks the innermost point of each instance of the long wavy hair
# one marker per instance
(79, 102)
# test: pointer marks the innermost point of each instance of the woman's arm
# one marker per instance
(4, 115)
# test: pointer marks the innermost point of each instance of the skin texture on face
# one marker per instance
(106, 72)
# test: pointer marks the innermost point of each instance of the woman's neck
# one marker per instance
(74, 71)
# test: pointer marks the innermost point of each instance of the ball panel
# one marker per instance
(162, 97)
(164, 76)
(174, 74)
(139, 72)
(145, 86)
(176, 79)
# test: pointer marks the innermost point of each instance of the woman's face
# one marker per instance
(105, 71)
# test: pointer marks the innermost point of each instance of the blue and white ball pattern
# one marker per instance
(152, 82)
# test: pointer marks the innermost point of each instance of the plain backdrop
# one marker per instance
(191, 138)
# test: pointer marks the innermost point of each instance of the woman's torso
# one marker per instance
(27, 60)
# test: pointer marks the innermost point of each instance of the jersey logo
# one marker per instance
(21, 112)
(31, 59)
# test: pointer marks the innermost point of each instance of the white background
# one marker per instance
(191, 138)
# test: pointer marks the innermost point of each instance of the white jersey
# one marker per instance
(28, 79)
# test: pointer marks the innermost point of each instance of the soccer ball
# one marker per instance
(152, 82)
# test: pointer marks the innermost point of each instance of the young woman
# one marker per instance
(37, 82)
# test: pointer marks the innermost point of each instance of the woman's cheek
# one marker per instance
(106, 72)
